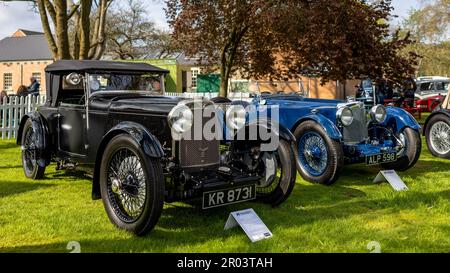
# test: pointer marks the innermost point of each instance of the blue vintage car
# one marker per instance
(332, 133)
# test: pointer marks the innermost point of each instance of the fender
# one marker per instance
(329, 126)
(149, 143)
(435, 113)
(264, 125)
(41, 137)
(399, 119)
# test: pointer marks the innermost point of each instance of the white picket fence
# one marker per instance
(231, 96)
(13, 109)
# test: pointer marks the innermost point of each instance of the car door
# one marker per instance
(72, 124)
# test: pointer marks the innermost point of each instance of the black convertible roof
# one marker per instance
(95, 65)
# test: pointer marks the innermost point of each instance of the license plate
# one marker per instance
(381, 158)
(225, 197)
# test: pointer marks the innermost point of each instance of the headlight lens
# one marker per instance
(236, 117)
(181, 119)
(345, 116)
(378, 113)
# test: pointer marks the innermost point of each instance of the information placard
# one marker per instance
(250, 222)
(392, 178)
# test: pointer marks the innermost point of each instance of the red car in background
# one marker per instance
(431, 92)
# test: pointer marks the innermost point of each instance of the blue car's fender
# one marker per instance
(148, 142)
(399, 119)
(40, 137)
(329, 126)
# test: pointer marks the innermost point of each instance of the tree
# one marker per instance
(131, 35)
(84, 41)
(223, 32)
(340, 40)
(430, 28)
(337, 40)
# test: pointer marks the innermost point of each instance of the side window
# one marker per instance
(72, 91)
(442, 86)
(427, 86)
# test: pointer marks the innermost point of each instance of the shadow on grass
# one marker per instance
(8, 188)
(8, 144)
(7, 167)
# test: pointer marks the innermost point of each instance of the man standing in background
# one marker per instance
(33, 89)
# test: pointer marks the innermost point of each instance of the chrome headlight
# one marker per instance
(345, 116)
(378, 113)
(236, 117)
(181, 119)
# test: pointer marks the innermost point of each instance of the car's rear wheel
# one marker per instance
(30, 165)
(409, 155)
(319, 158)
(438, 136)
(131, 185)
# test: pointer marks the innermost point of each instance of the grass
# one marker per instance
(43, 216)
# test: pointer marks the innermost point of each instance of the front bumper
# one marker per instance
(357, 153)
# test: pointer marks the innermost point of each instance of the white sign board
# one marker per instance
(392, 178)
(250, 222)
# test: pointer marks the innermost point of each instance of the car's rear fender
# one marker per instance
(399, 119)
(41, 137)
(329, 126)
(149, 143)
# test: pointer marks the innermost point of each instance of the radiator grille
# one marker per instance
(357, 132)
(199, 155)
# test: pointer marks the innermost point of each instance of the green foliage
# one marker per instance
(430, 27)
(43, 216)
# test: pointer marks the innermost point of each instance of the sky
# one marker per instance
(18, 14)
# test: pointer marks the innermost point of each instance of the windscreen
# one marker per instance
(126, 82)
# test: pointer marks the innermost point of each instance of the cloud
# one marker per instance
(18, 15)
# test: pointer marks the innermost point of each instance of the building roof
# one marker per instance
(32, 47)
(28, 32)
(95, 65)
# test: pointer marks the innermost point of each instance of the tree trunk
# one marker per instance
(47, 30)
(101, 39)
(85, 28)
(62, 35)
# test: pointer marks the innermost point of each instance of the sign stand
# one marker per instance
(392, 178)
(250, 222)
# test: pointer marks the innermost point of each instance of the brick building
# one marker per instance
(23, 55)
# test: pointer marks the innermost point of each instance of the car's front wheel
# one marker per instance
(30, 165)
(131, 186)
(277, 175)
(319, 158)
(410, 152)
(438, 136)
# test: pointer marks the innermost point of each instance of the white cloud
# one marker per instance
(18, 15)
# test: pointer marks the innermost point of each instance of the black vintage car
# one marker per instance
(111, 120)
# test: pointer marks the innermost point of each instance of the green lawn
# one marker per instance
(43, 216)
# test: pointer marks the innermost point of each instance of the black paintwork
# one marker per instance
(76, 134)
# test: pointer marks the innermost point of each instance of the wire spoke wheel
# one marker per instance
(29, 151)
(270, 171)
(440, 137)
(126, 185)
(313, 154)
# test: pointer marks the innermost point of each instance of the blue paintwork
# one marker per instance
(293, 110)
